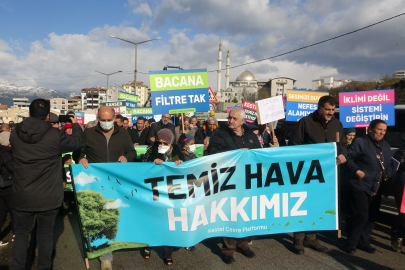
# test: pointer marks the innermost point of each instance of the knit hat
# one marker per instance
(166, 135)
(67, 125)
(349, 130)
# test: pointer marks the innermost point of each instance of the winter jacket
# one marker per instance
(226, 140)
(362, 157)
(96, 150)
(177, 132)
(400, 156)
(133, 133)
(155, 128)
(37, 149)
(152, 154)
(7, 166)
(310, 130)
(202, 133)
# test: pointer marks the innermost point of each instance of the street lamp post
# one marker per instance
(108, 75)
(136, 54)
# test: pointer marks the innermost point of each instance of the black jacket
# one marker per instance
(133, 133)
(7, 166)
(310, 130)
(37, 149)
(400, 156)
(94, 145)
(226, 140)
(156, 127)
(362, 157)
(153, 154)
(202, 133)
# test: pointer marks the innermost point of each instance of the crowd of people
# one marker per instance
(32, 179)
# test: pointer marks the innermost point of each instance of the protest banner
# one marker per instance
(358, 109)
(250, 111)
(301, 103)
(127, 97)
(236, 194)
(146, 112)
(270, 110)
(119, 106)
(202, 116)
(80, 117)
(179, 91)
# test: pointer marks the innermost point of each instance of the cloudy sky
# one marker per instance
(41, 41)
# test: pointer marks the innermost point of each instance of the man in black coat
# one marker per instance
(318, 127)
(38, 187)
(156, 127)
(139, 132)
(106, 142)
(235, 136)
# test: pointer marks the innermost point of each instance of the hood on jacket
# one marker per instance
(32, 130)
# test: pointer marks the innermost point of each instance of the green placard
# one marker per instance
(178, 81)
(142, 111)
(127, 96)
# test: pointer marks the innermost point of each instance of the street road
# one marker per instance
(273, 252)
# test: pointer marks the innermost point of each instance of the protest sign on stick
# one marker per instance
(301, 103)
(358, 109)
(270, 109)
(179, 91)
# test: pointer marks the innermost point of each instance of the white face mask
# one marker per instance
(162, 149)
(191, 148)
(107, 125)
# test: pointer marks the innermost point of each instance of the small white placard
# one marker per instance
(270, 109)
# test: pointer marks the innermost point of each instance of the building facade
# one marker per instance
(399, 74)
(141, 91)
(21, 103)
(91, 98)
(16, 115)
(75, 103)
(59, 104)
(328, 82)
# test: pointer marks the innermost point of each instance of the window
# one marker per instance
(63, 107)
(63, 102)
(54, 101)
(55, 108)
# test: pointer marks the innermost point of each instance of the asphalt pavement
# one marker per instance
(272, 252)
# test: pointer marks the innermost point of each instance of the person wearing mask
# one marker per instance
(163, 150)
(139, 133)
(187, 129)
(106, 142)
(5, 134)
(369, 164)
(68, 128)
(156, 127)
(6, 170)
(350, 135)
(318, 127)
(204, 133)
(119, 119)
(125, 123)
(236, 135)
(187, 144)
(37, 185)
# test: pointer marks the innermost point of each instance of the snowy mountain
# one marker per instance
(8, 91)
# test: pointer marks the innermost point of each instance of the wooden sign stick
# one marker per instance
(182, 122)
(339, 231)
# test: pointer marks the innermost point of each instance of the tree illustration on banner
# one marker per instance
(99, 221)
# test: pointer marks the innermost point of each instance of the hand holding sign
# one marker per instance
(270, 109)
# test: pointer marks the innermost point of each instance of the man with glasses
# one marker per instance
(156, 127)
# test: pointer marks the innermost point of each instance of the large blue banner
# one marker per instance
(233, 194)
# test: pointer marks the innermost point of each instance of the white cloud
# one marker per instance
(115, 204)
(83, 179)
(143, 9)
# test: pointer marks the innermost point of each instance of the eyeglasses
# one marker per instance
(163, 143)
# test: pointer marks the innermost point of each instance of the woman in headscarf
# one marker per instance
(163, 150)
(350, 135)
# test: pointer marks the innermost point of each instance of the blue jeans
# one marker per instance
(23, 226)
